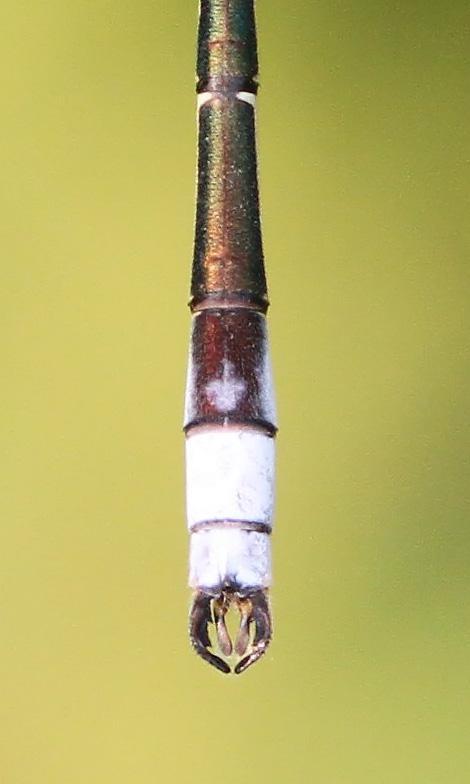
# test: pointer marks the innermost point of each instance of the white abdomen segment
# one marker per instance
(220, 556)
(229, 476)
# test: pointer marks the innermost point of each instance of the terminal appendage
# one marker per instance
(254, 631)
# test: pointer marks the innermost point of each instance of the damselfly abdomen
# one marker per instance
(229, 411)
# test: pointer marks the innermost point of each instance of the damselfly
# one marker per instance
(229, 410)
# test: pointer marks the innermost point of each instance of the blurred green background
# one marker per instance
(364, 164)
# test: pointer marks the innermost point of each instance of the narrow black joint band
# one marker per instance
(229, 301)
(226, 84)
(227, 421)
(241, 525)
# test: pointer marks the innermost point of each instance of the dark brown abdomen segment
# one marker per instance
(229, 378)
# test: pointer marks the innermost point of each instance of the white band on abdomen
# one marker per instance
(229, 476)
(247, 97)
(203, 98)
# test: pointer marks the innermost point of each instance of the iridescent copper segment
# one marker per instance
(230, 420)
(228, 255)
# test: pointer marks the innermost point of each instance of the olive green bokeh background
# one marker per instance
(364, 163)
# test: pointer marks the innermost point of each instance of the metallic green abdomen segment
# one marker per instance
(227, 41)
(228, 254)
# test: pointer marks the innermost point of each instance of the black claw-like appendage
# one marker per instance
(253, 610)
(199, 620)
(261, 618)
